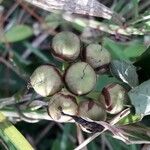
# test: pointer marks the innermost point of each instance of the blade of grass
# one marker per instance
(7, 129)
(37, 52)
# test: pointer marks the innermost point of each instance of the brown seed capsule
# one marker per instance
(80, 78)
(113, 98)
(66, 46)
(92, 110)
(98, 57)
(46, 80)
(62, 102)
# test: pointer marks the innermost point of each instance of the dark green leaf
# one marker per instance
(17, 33)
(140, 98)
(115, 49)
(125, 71)
(134, 50)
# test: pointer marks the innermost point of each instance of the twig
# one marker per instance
(120, 116)
(35, 44)
(80, 136)
(30, 11)
(35, 115)
(25, 118)
(143, 18)
(86, 7)
(11, 10)
(114, 121)
(109, 28)
(12, 100)
(88, 140)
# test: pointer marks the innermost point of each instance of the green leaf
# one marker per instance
(129, 119)
(134, 50)
(17, 33)
(140, 98)
(13, 135)
(125, 71)
(115, 49)
(125, 51)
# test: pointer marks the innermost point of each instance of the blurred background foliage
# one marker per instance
(25, 37)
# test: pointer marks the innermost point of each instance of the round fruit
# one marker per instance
(113, 98)
(46, 80)
(66, 46)
(92, 110)
(80, 78)
(97, 56)
(62, 102)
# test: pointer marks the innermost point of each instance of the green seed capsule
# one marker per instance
(97, 56)
(92, 110)
(46, 80)
(62, 102)
(66, 46)
(80, 78)
(113, 98)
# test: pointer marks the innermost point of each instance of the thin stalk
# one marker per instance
(32, 115)
(113, 122)
(13, 100)
(108, 28)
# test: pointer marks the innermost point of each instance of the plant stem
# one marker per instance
(30, 114)
(113, 122)
(109, 28)
(12, 100)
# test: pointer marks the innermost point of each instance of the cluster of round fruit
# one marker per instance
(64, 87)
